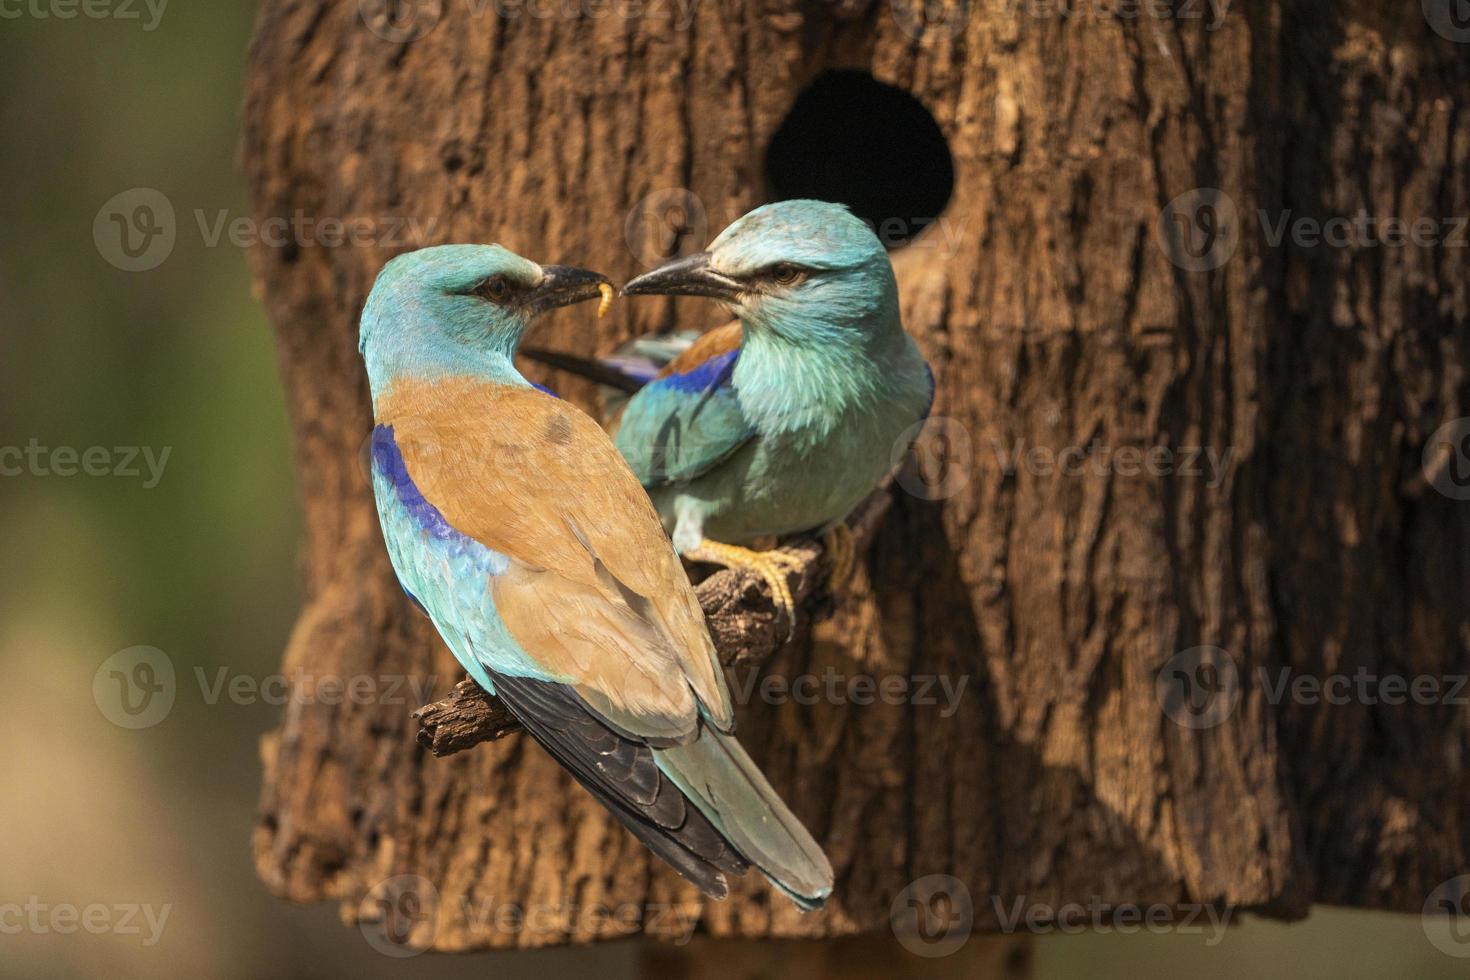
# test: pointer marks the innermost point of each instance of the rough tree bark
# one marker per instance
(1054, 319)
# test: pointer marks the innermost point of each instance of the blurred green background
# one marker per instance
(202, 565)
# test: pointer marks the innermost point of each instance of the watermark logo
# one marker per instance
(675, 923)
(1211, 12)
(1199, 230)
(1362, 230)
(300, 687)
(303, 230)
(1201, 687)
(680, 13)
(1446, 459)
(1449, 18)
(944, 235)
(1198, 688)
(941, 691)
(399, 916)
(925, 18)
(665, 224)
(943, 458)
(132, 462)
(135, 230)
(135, 688)
(401, 21)
(1097, 458)
(404, 21)
(1362, 686)
(39, 918)
(1125, 918)
(90, 9)
(1446, 918)
(933, 916)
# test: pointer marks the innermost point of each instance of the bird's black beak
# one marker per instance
(564, 285)
(689, 276)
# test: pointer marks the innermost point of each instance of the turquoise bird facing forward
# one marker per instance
(784, 422)
(511, 520)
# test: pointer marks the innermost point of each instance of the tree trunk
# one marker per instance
(1104, 277)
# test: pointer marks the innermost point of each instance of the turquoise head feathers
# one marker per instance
(453, 310)
(808, 272)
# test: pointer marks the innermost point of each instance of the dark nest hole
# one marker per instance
(851, 139)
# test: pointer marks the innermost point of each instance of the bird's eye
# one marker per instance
(496, 289)
(785, 274)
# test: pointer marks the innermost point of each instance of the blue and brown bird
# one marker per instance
(512, 520)
(785, 420)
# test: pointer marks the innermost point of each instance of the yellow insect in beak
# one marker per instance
(604, 304)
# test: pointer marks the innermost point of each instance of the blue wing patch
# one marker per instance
(441, 569)
(389, 462)
(682, 425)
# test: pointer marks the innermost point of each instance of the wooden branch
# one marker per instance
(742, 619)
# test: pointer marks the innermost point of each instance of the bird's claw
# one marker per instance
(772, 566)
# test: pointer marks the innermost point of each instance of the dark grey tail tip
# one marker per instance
(809, 903)
(718, 890)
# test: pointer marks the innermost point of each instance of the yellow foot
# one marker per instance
(773, 566)
(839, 544)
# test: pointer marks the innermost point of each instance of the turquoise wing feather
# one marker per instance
(443, 571)
(684, 423)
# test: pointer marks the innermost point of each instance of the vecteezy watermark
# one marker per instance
(400, 917)
(948, 18)
(1446, 460)
(1211, 12)
(147, 12)
(137, 687)
(1363, 686)
(1449, 18)
(831, 687)
(943, 458)
(1201, 687)
(137, 230)
(1125, 918)
(1363, 230)
(679, 12)
(403, 21)
(666, 920)
(1209, 463)
(1201, 229)
(98, 918)
(673, 221)
(309, 231)
(129, 462)
(930, 18)
(942, 233)
(666, 223)
(933, 916)
(300, 687)
(944, 461)
(1446, 917)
